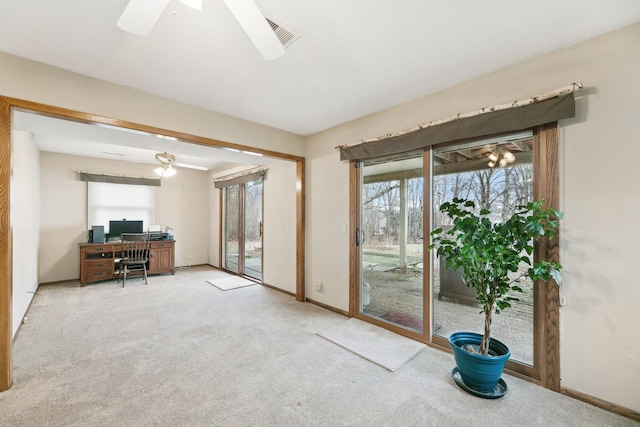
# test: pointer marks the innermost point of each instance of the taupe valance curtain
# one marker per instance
(495, 122)
(240, 179)
(117, 179)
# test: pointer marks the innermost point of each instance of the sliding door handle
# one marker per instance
(357, 237)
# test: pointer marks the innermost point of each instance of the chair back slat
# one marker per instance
(135, 246)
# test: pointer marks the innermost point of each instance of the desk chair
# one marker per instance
(135, 255)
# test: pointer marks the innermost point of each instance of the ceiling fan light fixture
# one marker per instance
(509, 157)
(257, 28)
(165, 171)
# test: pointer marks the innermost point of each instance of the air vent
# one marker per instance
(285, 36)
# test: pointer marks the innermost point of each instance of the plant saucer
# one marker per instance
(498, 391)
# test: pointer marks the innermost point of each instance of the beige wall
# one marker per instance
(179, 204)
(25, 205)
(600, 354)
(34, 81)
(279, 219)
(279, 239)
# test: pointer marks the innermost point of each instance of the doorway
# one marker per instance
(395, 201)
(390, 239)
(243, 227)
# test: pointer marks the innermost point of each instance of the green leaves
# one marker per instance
(489, 254)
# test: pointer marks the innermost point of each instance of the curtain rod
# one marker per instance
(113, 174)
(242, 173)
(548, 95)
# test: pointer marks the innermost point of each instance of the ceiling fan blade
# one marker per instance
(184, 165)
(140, 16)
(195, 4)
(257, 28)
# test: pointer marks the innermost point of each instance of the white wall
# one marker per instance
(279, 219)
(179, 204)
(25, 205)
(600, 352)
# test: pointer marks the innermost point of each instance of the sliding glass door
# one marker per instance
(497, 175)
(390, 239)
(232, 236)
(242, 229)
(398, 284)
(252, 242)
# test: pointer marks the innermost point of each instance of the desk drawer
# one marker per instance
(98, 249)
(93, 275)
(160, 245)
(99, 264)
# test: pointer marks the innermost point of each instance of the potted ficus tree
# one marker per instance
(494, 257)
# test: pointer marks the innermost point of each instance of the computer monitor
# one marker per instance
(117, 227)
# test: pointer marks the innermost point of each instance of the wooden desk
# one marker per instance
(97, 260)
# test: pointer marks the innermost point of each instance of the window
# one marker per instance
(106, 201)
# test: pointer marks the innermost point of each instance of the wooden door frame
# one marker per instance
(546, 323)
(7, 105)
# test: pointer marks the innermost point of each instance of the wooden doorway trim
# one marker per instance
(6, 264)
(7, 104)
(547, 313)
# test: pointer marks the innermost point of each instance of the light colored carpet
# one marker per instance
(373, 343)
(179, 352)
(231, 282)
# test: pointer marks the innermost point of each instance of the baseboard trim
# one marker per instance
(57, 282)
(26, 312)
(611, 407)
(328, 307)
(275, 288)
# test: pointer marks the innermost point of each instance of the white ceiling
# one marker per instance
(353, 57)
(124, 145)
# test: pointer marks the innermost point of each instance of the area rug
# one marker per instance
(373, 343)
(227, 283)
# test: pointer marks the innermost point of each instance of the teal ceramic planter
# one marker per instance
(479, 373)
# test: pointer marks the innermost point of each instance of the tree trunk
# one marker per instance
(484, 345)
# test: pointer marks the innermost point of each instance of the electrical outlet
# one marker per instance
(319, 286)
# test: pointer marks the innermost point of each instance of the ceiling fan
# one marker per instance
(166, 161)
(140, 16)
